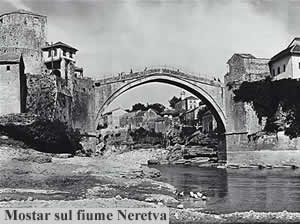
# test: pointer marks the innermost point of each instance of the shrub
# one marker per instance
(45, 136)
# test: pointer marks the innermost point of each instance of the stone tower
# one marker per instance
(24, 32)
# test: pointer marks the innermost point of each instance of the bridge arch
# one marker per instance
(190, 85)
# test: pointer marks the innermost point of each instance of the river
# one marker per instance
(231, 190)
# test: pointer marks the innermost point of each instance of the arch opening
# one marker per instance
(187, 85)
(199, 92)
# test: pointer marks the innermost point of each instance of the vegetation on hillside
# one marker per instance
(173, 101)
(159, 108)
(277, 101)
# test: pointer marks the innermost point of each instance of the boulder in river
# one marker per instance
(153, 162)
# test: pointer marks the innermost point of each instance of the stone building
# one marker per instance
(59, 58)
(241, 118)
(139, 119)
(187, 103)
(209, 123)
(12, 84)
(112, 119)
(286, 63)
(24, 32)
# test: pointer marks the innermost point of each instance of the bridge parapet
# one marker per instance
(163, 70)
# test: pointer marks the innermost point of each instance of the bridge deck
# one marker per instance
(135, 75)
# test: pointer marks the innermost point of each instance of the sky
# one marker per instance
(197, 36)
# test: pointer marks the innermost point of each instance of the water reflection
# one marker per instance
(237, 190)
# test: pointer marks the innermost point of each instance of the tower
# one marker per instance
(24, 33)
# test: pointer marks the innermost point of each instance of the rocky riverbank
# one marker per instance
(33, 179)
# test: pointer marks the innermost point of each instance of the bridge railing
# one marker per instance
(136, 73)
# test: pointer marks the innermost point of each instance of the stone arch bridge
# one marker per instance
(211, 92)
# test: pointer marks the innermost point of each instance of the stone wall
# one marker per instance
(241, 118)
(10, 93)
(41, 95)
(83, 107)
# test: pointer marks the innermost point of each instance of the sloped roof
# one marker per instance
(245, 55)
(140, 113)
(22, 11)
(292, 49)
(10, 58)
(59, 44)
(191, 98)
(242, 55)
(169, 111)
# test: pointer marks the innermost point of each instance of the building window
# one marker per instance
(273, 72)
(299, 65)
(49, 53)
(64, 53)
(7, 68)
(71, 55)
(278, 70)
(55, 52)
(283, 68)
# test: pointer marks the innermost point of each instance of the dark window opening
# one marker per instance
(71, 55)
(55, 52)
(283, 68)
(1, 20)
(273, 72)
(278, 70)
(49, 53)
(64, 53)
(7, 68)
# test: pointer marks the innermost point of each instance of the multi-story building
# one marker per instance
(187, 103)
(58, 58)
(286, 63)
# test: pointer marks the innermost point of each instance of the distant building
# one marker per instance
(286, 63)
(149, 120)
(190, 117)
(162, 124)
(209, 124)
(112, 119)
(169, 113)
(187, 103)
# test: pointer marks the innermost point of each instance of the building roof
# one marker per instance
(191, 98)
(292, 49)
(242, 55)
(22, 11)
(9, 58)
(59, 44)
(169, 112)
(78, 69)
(113, 110)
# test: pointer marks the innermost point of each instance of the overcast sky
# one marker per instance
(194, 35)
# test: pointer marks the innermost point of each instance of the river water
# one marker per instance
(231, 190)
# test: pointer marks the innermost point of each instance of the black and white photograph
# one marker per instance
(149, 111)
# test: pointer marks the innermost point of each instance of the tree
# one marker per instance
(173, 101)
(138, 106)
(159, 108)
(278, 101)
